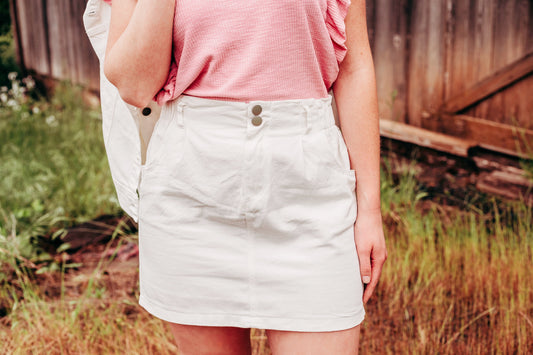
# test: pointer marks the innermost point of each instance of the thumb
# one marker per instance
(365, 266)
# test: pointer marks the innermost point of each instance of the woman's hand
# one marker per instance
(371, 249)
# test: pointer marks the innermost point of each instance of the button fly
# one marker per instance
(257, 120)
(257, 109)
(146, 111)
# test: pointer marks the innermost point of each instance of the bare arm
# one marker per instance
(356, 98)
(139, 48)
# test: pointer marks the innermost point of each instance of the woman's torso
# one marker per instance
(243, 50)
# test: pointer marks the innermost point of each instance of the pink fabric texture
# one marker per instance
(242, 50)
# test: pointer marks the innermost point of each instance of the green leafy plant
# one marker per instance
(54, 167)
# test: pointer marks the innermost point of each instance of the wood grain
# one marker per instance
(495, 136)
(425, 138)
(426, 52)
(490, 85)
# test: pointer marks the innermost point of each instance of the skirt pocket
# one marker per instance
(165, 148)
(327, 157)
(339, 150)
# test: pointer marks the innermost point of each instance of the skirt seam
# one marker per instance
(144, 301)
(226, 319)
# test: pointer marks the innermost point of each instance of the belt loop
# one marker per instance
(326, 116)
(179, 113)
(308, 123)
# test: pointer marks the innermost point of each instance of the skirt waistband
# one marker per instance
(288, 116)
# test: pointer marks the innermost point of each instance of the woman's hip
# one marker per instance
(244, 155)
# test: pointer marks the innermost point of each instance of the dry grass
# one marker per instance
(96, 326)
(456, 282)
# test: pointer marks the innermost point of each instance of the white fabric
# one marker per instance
(120, 122)
(249, 226)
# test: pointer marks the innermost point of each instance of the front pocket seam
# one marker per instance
(332, 150)
(176, 118)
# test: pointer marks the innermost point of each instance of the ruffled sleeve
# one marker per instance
(168, 91)
(336, 14)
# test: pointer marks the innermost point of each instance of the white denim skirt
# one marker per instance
(246, 217)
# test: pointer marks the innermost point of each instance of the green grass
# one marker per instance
(54, 170)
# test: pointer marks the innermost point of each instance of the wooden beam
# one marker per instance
(489, 85)
(425, 138)
(495, 136)
(449, 177)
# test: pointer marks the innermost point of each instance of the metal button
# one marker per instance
(257, 109)
(146, 111)
(257, 120)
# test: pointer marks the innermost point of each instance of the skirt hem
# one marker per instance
(314, 324)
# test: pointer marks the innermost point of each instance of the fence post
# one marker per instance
(15, 27)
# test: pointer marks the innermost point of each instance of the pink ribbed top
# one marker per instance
(244, 50)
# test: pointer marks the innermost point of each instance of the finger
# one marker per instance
(377, 267)
(365, 266)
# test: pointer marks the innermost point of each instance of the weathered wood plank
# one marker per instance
(459, 49)
(518, 106)
(53, 42)
(487, 134)
(448, 177)
(503, 179)
(488, 86)
(483, 34)
(426, 60)
(425, 138)
(33, 35)
(77, 11)
(58, 42)
(511, 24)
(87, 63)
(390, 41)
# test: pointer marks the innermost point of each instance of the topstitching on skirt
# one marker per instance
(246, 217)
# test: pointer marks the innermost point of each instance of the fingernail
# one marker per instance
(366, 279)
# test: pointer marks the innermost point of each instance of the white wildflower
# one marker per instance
(12, 76)
(11, 103)
(3, 97)
(29, 82)
(3, 89)
(51, 121)
(35, 110)
(18, 91)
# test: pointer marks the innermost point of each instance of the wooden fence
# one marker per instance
(458, 67)
(51, 40)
